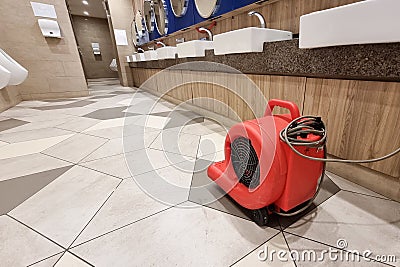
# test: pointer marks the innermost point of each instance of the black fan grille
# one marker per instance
(245, 162)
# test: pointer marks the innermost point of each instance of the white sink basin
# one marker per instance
(150, 55)
(371, 21)
(5, 76)
(137, 57)
(195, 48)
(247, 40)
(166, 52)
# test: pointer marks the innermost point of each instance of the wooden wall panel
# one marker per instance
(362, 119)
(280, 87)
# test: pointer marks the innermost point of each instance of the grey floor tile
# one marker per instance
(67, 204)
(20, 246)
(75, 148)
(11, 123)
(109, 113)
(127, 204)
(29, 164)
(33, 134)
(119, 131)
(365, 222)
(206, 238)
(15, 191)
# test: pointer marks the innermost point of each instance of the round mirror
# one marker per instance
(179, 7)
(207, 8)
(161, 13)
(139, 23)
(148, 11)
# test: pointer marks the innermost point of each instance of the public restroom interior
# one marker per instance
(199, 133)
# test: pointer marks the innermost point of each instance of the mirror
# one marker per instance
(207, 8)
(139, 23)
(149, 15)
(179, 7)
(160, 13)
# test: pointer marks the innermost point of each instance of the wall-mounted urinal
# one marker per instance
(18, 73)
(5, 76)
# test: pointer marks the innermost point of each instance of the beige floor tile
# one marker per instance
(67, 204)
(178, 236)
(33, 135)
(177, 142)
(116, 146)
(30, 147)
(306, 247)
(20, 246)
(75, 148)
(261, 256)
(350, 186)
(363, 221)
(127, 204)
(78, 124)
(69, 260)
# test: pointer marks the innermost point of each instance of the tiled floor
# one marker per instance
(67, 197)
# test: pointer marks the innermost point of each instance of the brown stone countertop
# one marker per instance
(380, 62)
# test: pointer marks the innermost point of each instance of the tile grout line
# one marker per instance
(126, 225)
(36, 262)
(367, 195)
(287, 244)
(36, 231)
(94, 215)
(255, 248)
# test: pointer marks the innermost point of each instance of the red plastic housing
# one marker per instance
(286, 179)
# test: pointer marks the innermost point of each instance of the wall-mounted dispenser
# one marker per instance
(96, 49)
(49, 28)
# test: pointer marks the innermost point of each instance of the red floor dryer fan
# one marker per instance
(262, 173)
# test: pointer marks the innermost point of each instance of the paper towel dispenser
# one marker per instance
(49, 28)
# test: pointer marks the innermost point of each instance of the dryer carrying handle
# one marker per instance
(291, 106)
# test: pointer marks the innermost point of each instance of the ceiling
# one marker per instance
(94, 8)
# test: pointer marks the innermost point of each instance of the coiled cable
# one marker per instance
(303, 126)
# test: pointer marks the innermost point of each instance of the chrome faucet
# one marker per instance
(140, 50)
(210, 35)
(259, 16)
(161, 43)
